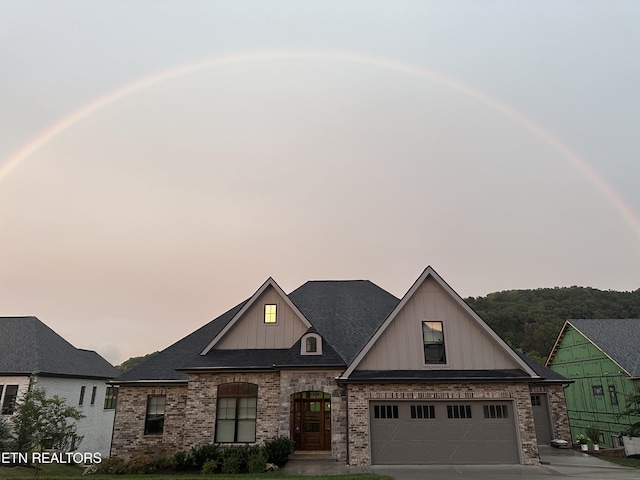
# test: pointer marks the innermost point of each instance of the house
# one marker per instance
(603, 359)
(347, 368)
(33, 355)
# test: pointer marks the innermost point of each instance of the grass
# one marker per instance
(62, 472)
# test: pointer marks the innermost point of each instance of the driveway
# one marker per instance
(556, 464)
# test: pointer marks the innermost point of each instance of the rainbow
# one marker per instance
(83, 112)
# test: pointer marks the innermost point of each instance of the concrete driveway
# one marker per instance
(556, 464)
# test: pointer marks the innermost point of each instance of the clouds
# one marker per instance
(165, 207)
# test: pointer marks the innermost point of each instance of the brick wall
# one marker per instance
(201, 405)
(359, 396)
(128, 431)
(322, 381)
(558, 409)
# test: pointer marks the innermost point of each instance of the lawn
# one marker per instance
(54, 472)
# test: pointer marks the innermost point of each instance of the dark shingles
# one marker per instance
(345, 313)
(163, 365)
(28, 346)
(618, 338)
(544, 372)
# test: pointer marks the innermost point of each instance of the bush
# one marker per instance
(182, 461)
(142, 464)
(210, 466)
(200, 455)
(278, 450)
(257, 461)
(233, 460)
(6, 436)
(113, 466)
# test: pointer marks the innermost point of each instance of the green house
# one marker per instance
(602, 357)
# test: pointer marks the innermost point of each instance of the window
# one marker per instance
(312, 344)
(82, 389)
(535, 400)
(459, 411)
(270, 314)
(10, 396)
(154, 420)
(385, 411)
(423, 411)
(597, 390)
(236, 413)
(613, 395)
(433, 338)
(110, 398)
(93, 395)
(495, 411)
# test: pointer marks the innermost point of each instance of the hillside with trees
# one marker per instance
(531, 319)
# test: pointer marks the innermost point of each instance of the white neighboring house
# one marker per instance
(31, 354)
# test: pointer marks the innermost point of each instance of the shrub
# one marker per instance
(257, 461)
(200, 455)
(182, 461)
(6, 436)
(232, 460)
(141, 464)
(210, 466)
(113, 466)
(278, 450)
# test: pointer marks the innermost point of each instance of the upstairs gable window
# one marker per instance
(270, 313)
(433, 340)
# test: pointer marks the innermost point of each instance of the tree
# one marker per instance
(6, 436)
(45, 423)
(135, 361)
(633, 410)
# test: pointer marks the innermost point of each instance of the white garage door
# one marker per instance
(420, 433)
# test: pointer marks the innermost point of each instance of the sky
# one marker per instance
(159, 160)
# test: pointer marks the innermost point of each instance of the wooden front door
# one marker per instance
(311, 414)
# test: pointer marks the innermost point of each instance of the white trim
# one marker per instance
(303, 344)
(431, 273)
(270, 282)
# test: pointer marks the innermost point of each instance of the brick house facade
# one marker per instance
(347, 368)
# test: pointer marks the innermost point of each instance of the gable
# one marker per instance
(467, 344)
(575, 356)
(250, 331)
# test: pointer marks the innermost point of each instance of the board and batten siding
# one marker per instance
(250, 331)
(467, 345)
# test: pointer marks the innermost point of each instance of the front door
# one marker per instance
(311, 412)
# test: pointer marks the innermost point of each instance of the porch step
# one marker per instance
(311, 455)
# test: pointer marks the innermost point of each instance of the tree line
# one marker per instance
(531, 319)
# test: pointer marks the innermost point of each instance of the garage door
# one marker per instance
(420, 433)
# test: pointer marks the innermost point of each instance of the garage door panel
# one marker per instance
(445, 438)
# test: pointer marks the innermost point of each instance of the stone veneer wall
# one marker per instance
(322, 381)
(128, 431)
(557, 409)
(201, 405)
(360, 394)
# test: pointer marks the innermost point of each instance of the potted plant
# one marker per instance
(631, 438)
(593, 434)
(582, 440)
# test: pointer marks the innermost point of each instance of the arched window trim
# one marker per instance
(304, 350)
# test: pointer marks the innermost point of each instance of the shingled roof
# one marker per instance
(617, 338)
(28, 346)
(344, 313)
(163, 365)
